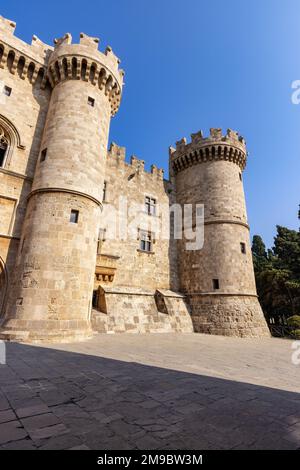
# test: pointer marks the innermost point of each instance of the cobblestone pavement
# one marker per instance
(158, 391)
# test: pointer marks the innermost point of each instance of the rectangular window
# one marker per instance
(243, 248)
(150, 205)
(43, 155)
(104, 191)
(240, 176)
(7, 90)
(74, 216)
(145, 241)
(101, 239)
(91, 101)
(216, 284)
(3, 149)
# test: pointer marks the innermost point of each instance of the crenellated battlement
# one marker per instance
(64, 61)
(29, 61)
(85, 62)
(8, 25)
(136, 165)
(217, 146)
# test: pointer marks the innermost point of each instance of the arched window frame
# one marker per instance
(11, 134)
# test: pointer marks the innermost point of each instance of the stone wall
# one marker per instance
(228, 315)
(22, 120)
(136, 310)
(50, 295)
(129, 183)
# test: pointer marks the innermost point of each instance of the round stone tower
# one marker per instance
(50, 297)
(218, 279)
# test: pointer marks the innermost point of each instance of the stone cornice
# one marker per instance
(64, 190)
(16, 175)
(220, 294)
(226, 221)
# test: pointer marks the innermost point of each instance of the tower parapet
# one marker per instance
(85, 62)
(230, 147)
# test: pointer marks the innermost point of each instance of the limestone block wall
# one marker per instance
(228, 315)
(51, 295)
(135, 310)
(22, 119)
(79, 129)
(132, 183)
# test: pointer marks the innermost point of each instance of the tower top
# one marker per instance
(217, 146)
(84, 61)
(81, 61)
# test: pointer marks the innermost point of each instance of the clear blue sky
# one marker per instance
(196, 64)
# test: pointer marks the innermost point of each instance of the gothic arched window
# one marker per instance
(4, 144)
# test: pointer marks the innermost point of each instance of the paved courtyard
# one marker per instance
(158, 391)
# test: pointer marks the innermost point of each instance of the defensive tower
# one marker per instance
(50, 296)
(219, 278)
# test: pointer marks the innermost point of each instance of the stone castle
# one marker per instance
(61, 276)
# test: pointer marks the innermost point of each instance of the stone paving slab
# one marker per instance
(155, 391)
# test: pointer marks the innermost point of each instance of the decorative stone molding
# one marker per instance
(64, 190)
(9, 137)
(106, 266)
(11, 132)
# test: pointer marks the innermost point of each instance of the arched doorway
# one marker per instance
(3, 285)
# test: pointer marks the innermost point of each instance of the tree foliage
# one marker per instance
(277, 273)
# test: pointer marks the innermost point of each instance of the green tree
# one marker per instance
(277, 273)
(287, 250)
(259, 253)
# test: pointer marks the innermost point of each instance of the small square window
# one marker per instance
(216, 284)
(243, 248)
(74, 216)
(150, 205)
(145, 241)
(7, 90)
(43, 155)
(91, 101)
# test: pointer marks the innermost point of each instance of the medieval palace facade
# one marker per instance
(63, 273)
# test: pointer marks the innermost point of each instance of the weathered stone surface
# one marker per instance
(54, 127)
(218, 279)
(172, 391)
(135, 310)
